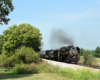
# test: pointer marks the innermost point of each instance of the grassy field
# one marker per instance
(41, 76)
(83, 74)
(98, 60)
(62, 74)
(48, 72)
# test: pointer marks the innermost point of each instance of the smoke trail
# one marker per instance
(60, 38)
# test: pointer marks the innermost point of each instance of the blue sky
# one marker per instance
(79, 18)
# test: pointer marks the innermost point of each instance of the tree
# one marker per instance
(81, 51)
(22, 35)
(88, 57)
(1, 43)
(5, 8)
(97, 52)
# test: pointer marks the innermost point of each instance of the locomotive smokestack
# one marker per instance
(60, 38)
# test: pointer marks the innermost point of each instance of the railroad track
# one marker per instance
(74, 66)
(91, 66)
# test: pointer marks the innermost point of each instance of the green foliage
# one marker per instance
(97, 52)
(34, 68)
(75, 74)
(47, 68)
(88, 57)
(24, 69)
(26, 55)
(5, 8)
(22, 35)
(84, 74)
(1, 43)
(22, 55)
(7, 61)
(81, 52)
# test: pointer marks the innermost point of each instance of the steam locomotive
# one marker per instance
(66, 54)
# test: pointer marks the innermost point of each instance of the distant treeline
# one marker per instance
(95, 52)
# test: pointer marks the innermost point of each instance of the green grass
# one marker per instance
(1, 69)
(98, 60)
(63, 74)
(48, 72)
(84, 74)
(41, 76)
(44, 71)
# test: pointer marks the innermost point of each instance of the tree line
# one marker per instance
(95, 53)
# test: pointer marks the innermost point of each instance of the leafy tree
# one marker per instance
(97, 52)
(88, 57)
(22, 35)
(5, 8)
(81, 51)
(22, 55)
(1, 43)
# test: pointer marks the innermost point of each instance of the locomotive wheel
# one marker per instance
(49, 57)
(69, 59)
(60, 58)
(75, 62)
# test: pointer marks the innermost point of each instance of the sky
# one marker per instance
(79, 18)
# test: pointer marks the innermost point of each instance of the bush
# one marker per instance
(26, 55)
(7, 61)
(24, 69)
(88, 57)
(22, 55)
(34, 68)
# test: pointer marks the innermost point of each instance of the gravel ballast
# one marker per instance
(66, 65)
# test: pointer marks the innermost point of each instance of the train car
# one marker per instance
(66, 54)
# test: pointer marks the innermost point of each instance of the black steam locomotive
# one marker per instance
(66, 54)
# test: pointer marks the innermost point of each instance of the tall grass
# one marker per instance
(84, 74)
(42, 67)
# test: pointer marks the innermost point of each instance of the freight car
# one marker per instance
(66, 54)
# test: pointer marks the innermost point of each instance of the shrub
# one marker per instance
(22, 55)
(34, 68)
(24, 69)
(88, 57)
(7, 61)
(26, 55)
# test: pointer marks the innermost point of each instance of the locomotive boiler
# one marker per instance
(66, 54)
